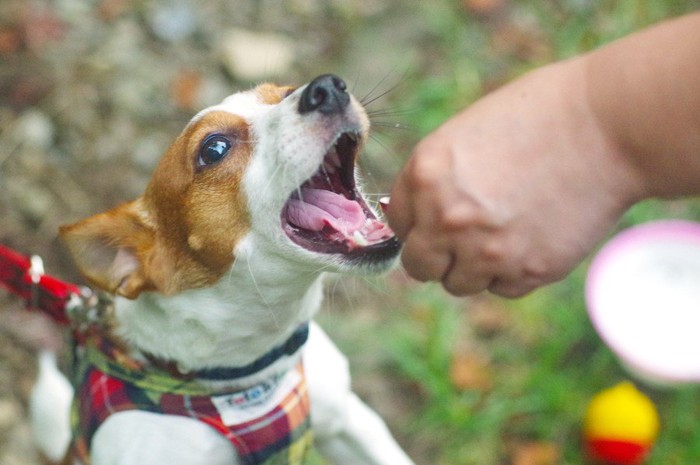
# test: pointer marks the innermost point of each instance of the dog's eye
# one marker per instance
(213, 150)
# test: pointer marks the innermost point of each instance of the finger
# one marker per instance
(400, 213)
(422, 259)
(470, 274)
(511, 289)
(413, 198)
(460, 283)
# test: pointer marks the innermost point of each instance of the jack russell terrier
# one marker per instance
(209, 355)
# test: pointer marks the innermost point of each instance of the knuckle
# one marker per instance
(510, 287)
(536, 269)
(540, 271)
(454, 216)
(510, 291)
(462, 280)
(416, 272)
(419, 266)
(494, 251)
(424, 170)
(461, 288)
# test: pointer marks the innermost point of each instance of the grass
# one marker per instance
(543, 364)
(473, 381)
(540, 365)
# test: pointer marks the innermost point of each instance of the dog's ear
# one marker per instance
(111, 248)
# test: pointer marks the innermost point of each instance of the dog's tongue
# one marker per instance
(317, 208)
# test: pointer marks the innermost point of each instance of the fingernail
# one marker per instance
(384, 203)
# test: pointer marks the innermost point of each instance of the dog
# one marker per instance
(210, 355)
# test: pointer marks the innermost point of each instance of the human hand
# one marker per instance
(513, 192)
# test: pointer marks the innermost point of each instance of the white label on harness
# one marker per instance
(256, 401)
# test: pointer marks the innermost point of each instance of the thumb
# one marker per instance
(399, 212)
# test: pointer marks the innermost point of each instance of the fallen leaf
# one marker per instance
(487, 315)
(483, 7)
(254, 55)
(471, 372)
(185, 88)
(10, 41)
(521, 40)
(109, 10)
(535, 453)
(43, 26)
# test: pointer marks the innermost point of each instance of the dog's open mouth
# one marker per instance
(328, 214)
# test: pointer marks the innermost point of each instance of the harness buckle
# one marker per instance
(89, 308)
(36, 271)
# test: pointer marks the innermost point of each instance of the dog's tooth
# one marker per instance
(384, 203)
(334, 159)
(360, 239)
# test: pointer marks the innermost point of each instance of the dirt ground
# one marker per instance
(92, 92)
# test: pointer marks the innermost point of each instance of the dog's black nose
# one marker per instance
(326, 94)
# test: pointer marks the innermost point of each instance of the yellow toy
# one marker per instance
(620, 425)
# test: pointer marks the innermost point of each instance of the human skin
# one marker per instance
(513, 192)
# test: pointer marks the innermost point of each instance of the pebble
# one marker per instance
(33, 200)
(9, 412)
(173, 21)
(35, 129)
(254, 56)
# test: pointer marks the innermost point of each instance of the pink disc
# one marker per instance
(643, 297)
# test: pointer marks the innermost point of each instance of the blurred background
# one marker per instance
(93, 91)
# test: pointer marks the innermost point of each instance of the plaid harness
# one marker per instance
(267, 424)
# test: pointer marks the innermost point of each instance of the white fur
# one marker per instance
(274, 174)
(272, 287)
(252, 309)
(49, 408)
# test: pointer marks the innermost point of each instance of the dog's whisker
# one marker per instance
(299, 192)
(272, 179)
(233, 266)
(375, 285)
(368, 99)
(382, 144)
(382, 112)
(260, 293)
(381, 125)
(317, 270)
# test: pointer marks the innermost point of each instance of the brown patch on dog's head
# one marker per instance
(271, 94)
(181, 234)
(199, 204)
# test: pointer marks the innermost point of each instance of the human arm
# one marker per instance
(645, 91)
(514, 191)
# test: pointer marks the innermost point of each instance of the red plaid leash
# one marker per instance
(25, 278)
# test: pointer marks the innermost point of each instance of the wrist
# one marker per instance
(616, 158)
(642, 90)
(605, 167)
